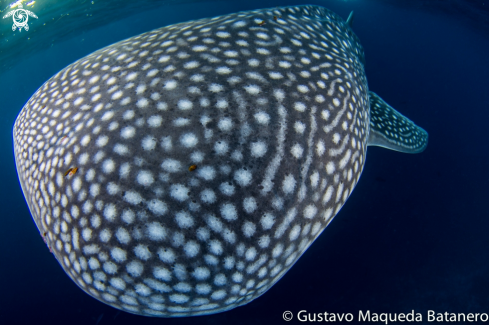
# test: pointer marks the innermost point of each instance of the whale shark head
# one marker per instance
(185, 170)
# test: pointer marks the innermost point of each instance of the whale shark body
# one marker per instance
(185, 170)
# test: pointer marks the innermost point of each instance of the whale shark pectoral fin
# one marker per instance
(392, 130)
(349, 21)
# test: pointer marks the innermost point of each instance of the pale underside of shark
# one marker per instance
(185, 170)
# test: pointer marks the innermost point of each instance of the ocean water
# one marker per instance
(412, 236)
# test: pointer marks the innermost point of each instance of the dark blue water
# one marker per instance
(414, 235)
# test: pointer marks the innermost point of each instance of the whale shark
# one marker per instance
(185, 170)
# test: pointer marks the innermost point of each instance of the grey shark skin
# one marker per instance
(183, 171)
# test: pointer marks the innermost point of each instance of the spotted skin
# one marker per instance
(274, 117)
(390, 129)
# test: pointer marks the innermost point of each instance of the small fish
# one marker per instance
(72, 171)
(192, 168)
(261, 23)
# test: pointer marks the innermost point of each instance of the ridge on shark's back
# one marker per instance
(185, 170)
